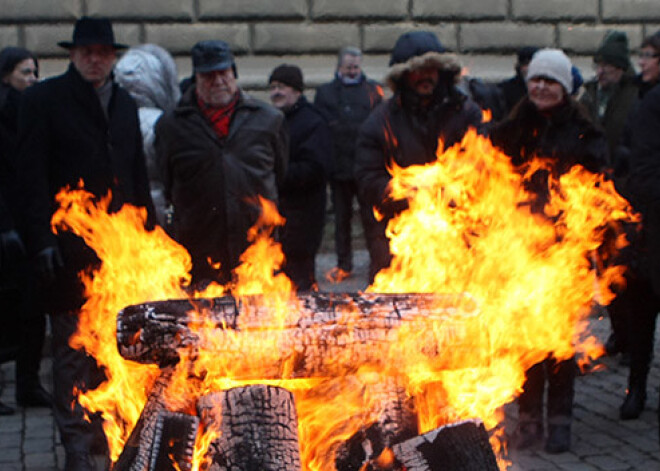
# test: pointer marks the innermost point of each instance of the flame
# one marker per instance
(468, 231)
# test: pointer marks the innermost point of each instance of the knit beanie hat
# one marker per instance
(614, 50)
(287, 74)
(552, 64)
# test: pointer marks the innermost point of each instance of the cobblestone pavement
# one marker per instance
(601, 442)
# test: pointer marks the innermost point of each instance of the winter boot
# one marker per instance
(559, 439)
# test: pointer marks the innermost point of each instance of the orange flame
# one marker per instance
(467, 231)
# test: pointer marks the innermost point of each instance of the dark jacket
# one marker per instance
(9, 189)
(567, 137)
(213, 183)
(345, 107)
(64, 137)
(394, 134)
(621, 102)
(513, 89)
(644, 181)
(303, 192)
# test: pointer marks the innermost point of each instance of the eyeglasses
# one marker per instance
(648, 55)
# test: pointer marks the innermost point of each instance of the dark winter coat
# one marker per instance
(213, 183)
(345, 107)
(513, 89)
(64, 137)
(623, 99)
(644, 181)
(567, 137)
(394, 134)
(9, 188)
(303, 192)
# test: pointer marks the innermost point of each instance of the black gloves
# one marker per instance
(12, 247)
(48, 262)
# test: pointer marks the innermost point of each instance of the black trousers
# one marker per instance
(73, 368)
(301, 271)
(560, 378)
(344, 192)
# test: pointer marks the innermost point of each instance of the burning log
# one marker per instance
(461, 446)
(325, 332)
(174, 442)
(396, 422)
(258, 428)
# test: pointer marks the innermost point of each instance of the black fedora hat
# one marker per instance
(88, 31)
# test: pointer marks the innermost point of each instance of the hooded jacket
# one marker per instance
(400, 132)
(213, 183)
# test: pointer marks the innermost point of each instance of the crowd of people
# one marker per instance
(198, 154)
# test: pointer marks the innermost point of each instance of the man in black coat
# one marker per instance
(302, 193)
(514, 88)
(346, 102)
(217, 151)
(73, 127)
(404, 130)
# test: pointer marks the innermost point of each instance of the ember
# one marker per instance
(520, 288)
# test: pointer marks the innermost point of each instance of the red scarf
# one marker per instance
(219, 117)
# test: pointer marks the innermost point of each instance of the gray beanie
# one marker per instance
(552, 64)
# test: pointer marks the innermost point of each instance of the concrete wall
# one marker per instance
(265, 33)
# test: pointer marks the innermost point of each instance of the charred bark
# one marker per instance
(258, 428)
(396, 422)
(325, 332)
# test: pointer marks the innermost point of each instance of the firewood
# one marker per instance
(258, 429)
(174, 442)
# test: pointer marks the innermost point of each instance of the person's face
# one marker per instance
(423, 81)
(351, 66)
(94, 62)
(216, 88)
(545, 93)
(283, 96)
(24, 74)
(607, 74)
(649, 64)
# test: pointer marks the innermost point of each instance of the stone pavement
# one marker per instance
(29, 440)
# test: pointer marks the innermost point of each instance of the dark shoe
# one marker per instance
(79, 461)
(559, 439)
(35, 397)
(526, 435)
(633, 405)
(6, 410)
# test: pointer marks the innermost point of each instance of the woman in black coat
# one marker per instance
(23, 339)
(549, 123)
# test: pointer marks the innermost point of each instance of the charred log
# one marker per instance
(396, 422)
(174, 442)
(324, 332)
(462, 446)
(258, 428)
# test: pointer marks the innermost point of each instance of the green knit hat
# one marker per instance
(614, 50)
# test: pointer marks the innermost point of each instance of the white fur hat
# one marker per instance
(553, 64)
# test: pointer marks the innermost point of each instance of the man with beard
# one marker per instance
(405, 130)
(79, 126)
(302, 193)
(217, 151)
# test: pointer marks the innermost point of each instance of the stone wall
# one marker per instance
(265, 33)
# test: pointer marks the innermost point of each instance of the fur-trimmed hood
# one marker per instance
(444, 61)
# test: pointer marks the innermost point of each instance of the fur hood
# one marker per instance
(444, 61)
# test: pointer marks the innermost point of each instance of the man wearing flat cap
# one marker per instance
(79, 126)
(404, 130)
(302, 193)
(217, 151)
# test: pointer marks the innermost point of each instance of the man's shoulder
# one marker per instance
(48, 86)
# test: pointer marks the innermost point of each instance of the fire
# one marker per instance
(468, 231)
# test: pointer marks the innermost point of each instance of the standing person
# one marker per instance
(25, 323)
(514, 88)
(217, 151)
(548, 122)
(404, 130)
(302, 193)
(77, 126)
(346, 102)
(148, 73)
